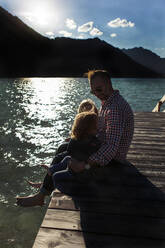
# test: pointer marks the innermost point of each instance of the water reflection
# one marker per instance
(36, 115)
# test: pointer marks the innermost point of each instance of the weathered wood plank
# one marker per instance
(135, 207)
(126, 192)
(148, 164)
(144, 227)
(150, 136)
(142, 156)
(149, 114)
(147, 143)
(154, 152)
(146, 140)
(51, 238)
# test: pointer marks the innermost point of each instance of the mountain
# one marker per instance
(147, 58)
(26, 53)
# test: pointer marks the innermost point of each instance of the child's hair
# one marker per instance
(84, 124)
(87, 105)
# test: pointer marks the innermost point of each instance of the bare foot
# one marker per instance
(34, 185)
(31, 200)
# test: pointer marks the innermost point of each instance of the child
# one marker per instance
(82, 144)
(62, 151)
(87, 105)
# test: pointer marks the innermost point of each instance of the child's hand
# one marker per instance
(46, 167)
(76, 166)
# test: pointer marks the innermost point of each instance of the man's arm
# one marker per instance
(114, 130)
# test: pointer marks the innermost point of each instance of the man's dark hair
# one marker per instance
(98, 73)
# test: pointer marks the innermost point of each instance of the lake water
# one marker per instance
(35, 116)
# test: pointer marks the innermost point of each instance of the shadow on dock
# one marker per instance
(122, 209)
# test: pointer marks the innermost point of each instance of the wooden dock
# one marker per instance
(127, 210)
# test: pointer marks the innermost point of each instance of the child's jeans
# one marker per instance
(61, 176)
(61, 172)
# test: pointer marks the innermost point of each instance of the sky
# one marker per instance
(121, 23)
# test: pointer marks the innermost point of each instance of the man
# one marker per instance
(116, 122)
(115, 131)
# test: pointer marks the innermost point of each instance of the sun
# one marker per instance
(42, 14)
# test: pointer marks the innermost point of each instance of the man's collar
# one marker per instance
(110, 99)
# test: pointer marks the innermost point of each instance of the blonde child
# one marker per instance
(87, 105)
(83, 142)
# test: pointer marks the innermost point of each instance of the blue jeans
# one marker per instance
(61, 172)
(62, 178)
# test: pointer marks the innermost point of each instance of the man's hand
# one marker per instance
(92, 163)
(76, 166)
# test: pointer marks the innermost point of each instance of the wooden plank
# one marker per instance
(148, 144)
(152, 173)
(140, 156)
(147, 164)
(126, 192)
(149, 114)
(51, 238)
(146, 140)
(155, 136)
(154, 152)
(148, 147)
(143, 227)
(155, 126)
(111, 206)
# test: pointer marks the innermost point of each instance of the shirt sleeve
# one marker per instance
(113, 133)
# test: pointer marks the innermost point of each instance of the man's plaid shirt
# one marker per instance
(115, 130)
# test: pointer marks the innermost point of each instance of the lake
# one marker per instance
(36, 115)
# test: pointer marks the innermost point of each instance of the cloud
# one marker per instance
(49, 33)
(160, 48)
(81, 36)
(96, 32)
(34, 18)
(70, 23)
(113, 35)
(85, 27)
(29, 16)
(65, 33)
(120, 23)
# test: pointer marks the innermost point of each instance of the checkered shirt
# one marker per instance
(115, 130)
